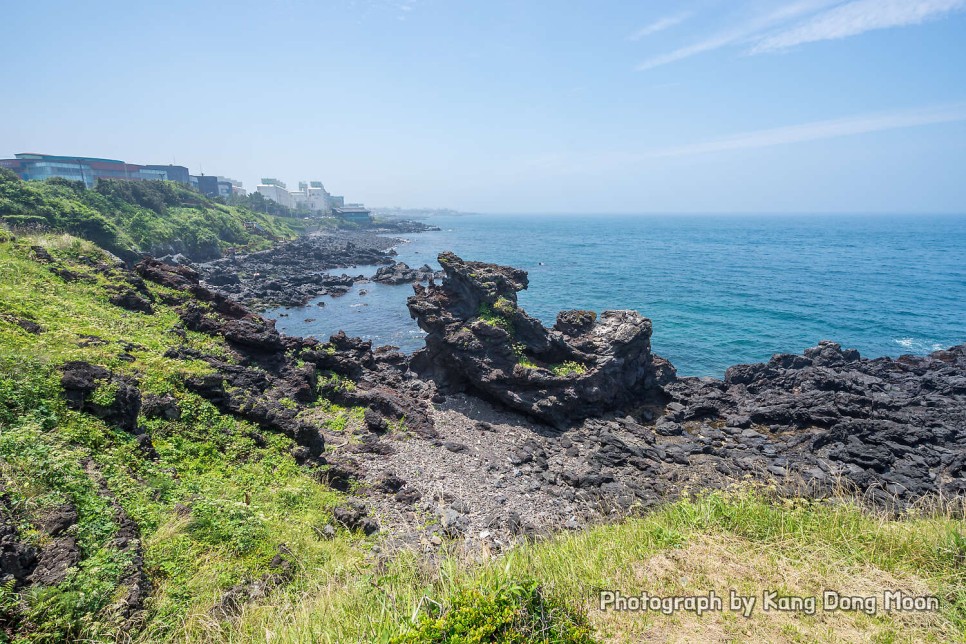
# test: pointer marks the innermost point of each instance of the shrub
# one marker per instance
(488, 315)
(569, 368)
(504, 307)
(509, 612)
(24, 221)
(231, 524)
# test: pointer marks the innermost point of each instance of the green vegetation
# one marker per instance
(221, 501)
(504, 307)
(334, 417)
(747, 539)
(568, 368)
(500, 315)
(129, 218)
(510, 612)
(526, 362)
(495, 317)
(212, 509)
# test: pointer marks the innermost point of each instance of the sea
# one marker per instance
(719, 289)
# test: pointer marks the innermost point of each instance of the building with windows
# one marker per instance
(311, 196)
(208, 186)
(37, 167)
(356, 213)
(177, 173)
(224, 187)
(236, 187)
(277, 191)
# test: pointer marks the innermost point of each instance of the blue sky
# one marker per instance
(700, 106)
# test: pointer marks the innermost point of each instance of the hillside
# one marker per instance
(134, 218)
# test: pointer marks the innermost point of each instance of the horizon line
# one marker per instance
(716, 213)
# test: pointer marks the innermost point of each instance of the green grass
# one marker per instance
(526, 362)
(746, 539)
(130, 218)
(569, 368)
(490, 315)
(335, 417)
(212, 510)
(510, 612)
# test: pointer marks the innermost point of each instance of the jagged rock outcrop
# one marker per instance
(478, 338)
(401, 273)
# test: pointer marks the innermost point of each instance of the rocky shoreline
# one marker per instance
(500, 429)
(295, 272)
(483, 436)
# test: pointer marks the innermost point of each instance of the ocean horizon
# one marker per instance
(720, 289)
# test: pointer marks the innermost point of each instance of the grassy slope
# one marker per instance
(130, 218)
(201, 536)
(208, 462)
(743, 539)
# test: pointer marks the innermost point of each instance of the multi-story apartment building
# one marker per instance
(311, 196)
(277, 191)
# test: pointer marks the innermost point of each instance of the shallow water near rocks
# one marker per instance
(720, 289)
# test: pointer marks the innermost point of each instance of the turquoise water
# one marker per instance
(720, 290)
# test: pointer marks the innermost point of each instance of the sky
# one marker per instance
(511, 106)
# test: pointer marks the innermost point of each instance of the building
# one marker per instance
(37, 167)
(225, 187)
(177, 173)
(311, 196)
(336, 201)
(277, 191)
(357, 214)
(236, 187)
(207, 186)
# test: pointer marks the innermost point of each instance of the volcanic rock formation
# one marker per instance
(478, 338)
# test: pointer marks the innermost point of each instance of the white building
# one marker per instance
(311, 196)
(276, 191)
(236, 186)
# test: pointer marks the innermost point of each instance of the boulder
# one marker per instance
(401, 273)
(120, 404)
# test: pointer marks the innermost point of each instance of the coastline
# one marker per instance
(292, 273)
(488, 439)
(739, 293)
(812, 425)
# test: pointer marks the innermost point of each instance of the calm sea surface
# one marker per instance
(720, 290)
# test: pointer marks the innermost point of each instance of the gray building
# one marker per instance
(177, 173)
(355, 214)
(207, 186)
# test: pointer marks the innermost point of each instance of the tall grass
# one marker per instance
(745, 538)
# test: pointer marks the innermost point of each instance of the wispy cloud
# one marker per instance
(660, 25)
(856, 18)
(819, 130)
(741, 33)
(810, 21)
(602, 162)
